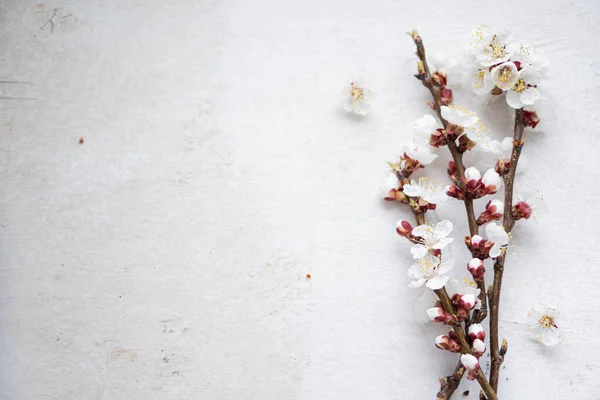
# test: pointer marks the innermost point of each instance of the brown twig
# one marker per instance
(450, 385)
(508, 223)
(464, 342)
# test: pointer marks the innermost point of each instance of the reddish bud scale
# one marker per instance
(502, 167)
(480, 249)
(446, 96)
(531, 119)
(455, 192)
(464, 143)
(396, 195)
(438, 138)
(522, 210)
(452, 172)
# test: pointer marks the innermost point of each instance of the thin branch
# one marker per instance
(508, 223)
(478, 315)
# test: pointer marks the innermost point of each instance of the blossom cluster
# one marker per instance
(503, 66)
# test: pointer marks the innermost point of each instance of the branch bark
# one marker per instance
(508, 223)
(452, 381)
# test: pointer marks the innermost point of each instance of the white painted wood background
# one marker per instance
(165, 257)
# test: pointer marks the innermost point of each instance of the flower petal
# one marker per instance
(513, 99)
(418, 251)
(443, 228)
(437, 282)
(530, 95)
(417, 283)
(551, 337)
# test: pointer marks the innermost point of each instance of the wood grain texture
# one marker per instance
(166, 255)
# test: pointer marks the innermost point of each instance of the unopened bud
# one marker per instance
(478, 347)
(445, 343)
(476, 332)
(453, 191)
(476, 269)
(493, 212)
(438, 314)
(446, 96)
(467, 301)
(404, 228)
(504, 347)
(470, 362)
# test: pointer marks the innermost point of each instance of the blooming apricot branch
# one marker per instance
(501, 68)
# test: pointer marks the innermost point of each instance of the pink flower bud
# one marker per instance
(470, 362)
(467, 301)
(478, 347)
(438, 138)
(493, 212)
(522, 210)
(476, 332)
(445, 343)
(438, 314)
(403, 228)
(476, 269)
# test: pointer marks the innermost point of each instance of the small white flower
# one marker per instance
(528, 56)
(492, 48)
(543, 322)
(436, 313)
(390, 182)
(421, 152)
(524, 91)
(470, 362)
(479, 134)
(482, 82)
(430, 271)
(505, 75)
(426, 189)
(459, 116)
(355, 98)
(496, 234)
(433, 238)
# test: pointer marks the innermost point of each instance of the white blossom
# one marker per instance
(543, 324)
(426, 189)
(496, 234)
(481, 82)
(430, 270)
(505, 75)
(459, 116)
(524, 91)
(432, 238)
(491, 47)
(528, 56)
(355, 99)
